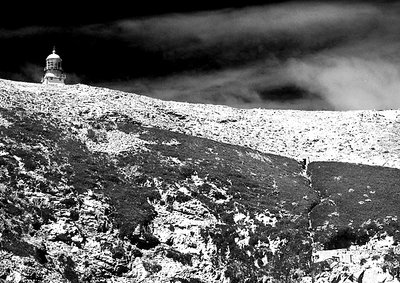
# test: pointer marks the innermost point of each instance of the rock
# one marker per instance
(376, 275)
(77, 239)
(14, 277)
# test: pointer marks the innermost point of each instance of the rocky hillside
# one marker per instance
(104, 186)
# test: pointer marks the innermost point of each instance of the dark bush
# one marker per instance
(186, 171)
(151, 267)
(120, 269)
(344, 238)
(69, 268)
(146, 241)
(136, 253)
(118, 252)
(185, 259)
(181, 197)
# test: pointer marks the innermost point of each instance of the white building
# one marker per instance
(53, 72)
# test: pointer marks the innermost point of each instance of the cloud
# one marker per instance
(29, 31)
(73, 78)
(308, 55)
(231, 37)
(268, 21)
(247, 87)
(350, 82)
(29, 72)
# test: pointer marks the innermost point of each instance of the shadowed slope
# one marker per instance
(357, 201)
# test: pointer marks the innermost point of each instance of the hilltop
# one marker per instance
(367, 137)
(100, 185)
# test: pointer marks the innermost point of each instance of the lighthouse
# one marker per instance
(53, 72)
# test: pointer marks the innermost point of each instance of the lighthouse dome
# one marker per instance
(53, 55)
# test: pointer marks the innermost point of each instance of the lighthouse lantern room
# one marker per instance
(53, 72)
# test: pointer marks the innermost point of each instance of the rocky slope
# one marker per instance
(104, 186)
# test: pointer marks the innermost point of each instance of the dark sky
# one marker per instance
(249, 53)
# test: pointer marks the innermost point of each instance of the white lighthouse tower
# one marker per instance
(53, 72)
